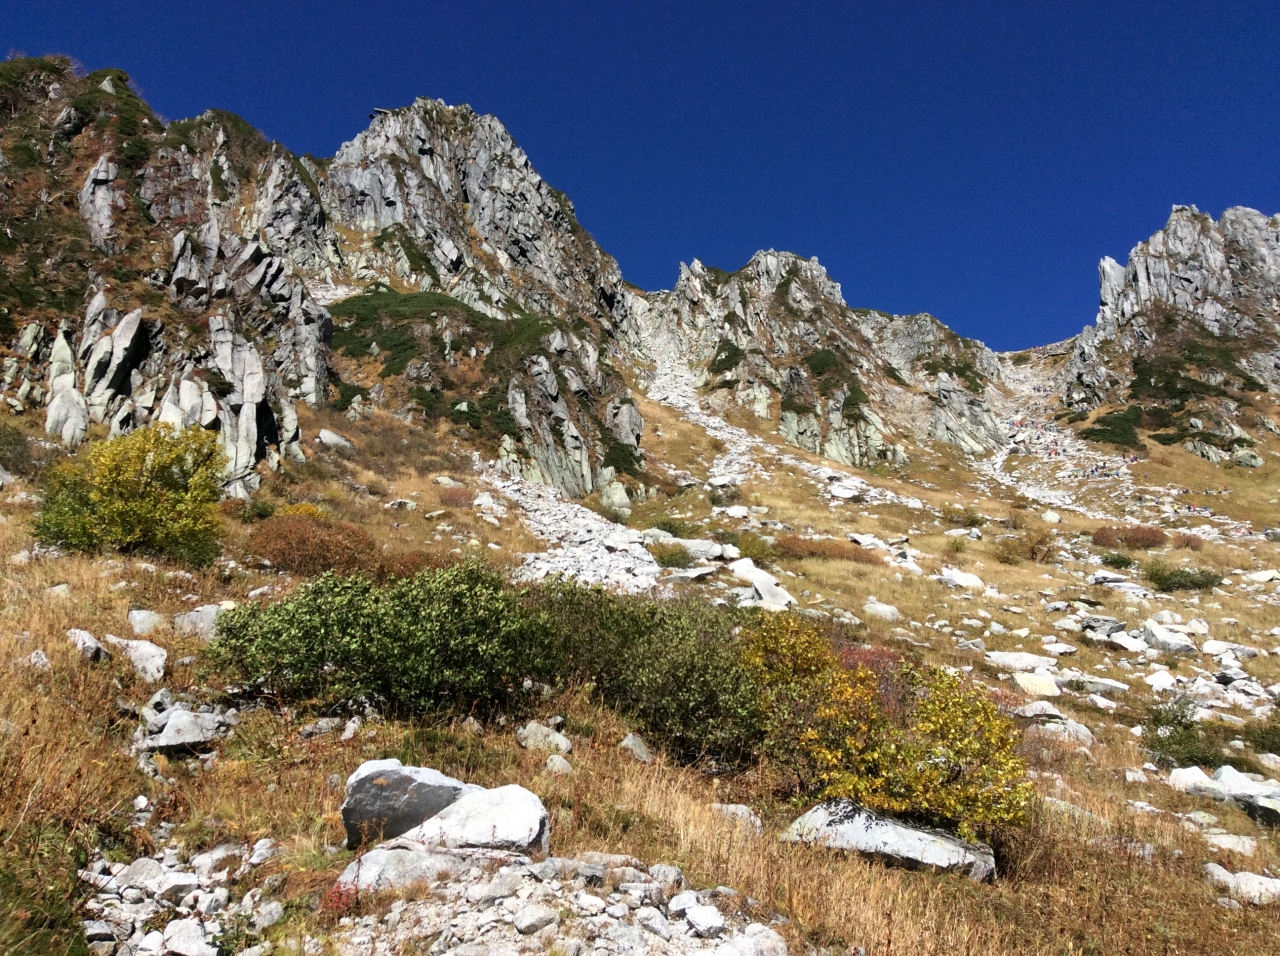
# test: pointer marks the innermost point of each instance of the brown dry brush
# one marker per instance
(1138, 537)
(827, 549)
(308, 545)
(64, 788)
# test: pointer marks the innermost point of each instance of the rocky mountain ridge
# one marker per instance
(194, 266)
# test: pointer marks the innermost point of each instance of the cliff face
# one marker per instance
(191, 272)
(179, 261)
(156, 298)
(446, 200)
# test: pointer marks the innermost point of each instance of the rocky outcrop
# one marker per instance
(961, 419)
(1196, 280)
(129, 371)
(468, 213)
(100, 197)
(843, 825)
(777, 337)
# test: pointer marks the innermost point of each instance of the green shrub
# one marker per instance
(710, 684)
(962, 369)
(620, 456)
(1116, 428)
(728, 356)
(674, 667)
(821, 362)
(673, 526)
(1265, 738)
(1165, 578)
(753, 546)
(962, 517)
(670, 555)
(455, 635)
(1114, 559)
(1173, 737)
(153, 491)
(900, 738)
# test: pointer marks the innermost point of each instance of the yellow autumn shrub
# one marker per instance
(916, 742)
(153, 491)
(810, 706)
(951, 761)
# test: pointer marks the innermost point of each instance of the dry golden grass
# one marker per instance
(1058, 894)
(827, 549)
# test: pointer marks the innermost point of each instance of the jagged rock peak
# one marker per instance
(1195, 279)
(470, 212)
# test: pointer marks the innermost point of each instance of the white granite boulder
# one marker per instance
(844, 825)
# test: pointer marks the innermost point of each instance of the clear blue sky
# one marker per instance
(970, 160)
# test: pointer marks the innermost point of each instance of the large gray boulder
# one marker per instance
(199, 622)
(1162, 639)
(844, 825)
(507, 818)
(148, 659)
(1263, 809)
(536, 736)
(88, 645)
(1244, 887)
(385, 799)
(185, 731)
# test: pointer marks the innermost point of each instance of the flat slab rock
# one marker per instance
(844, 825)
(384, 799)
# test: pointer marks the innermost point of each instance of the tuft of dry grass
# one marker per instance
(456, 498)
(1191, 542)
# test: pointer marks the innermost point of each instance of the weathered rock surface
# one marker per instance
(506, 818)
(385, 799)
(843, 825)
(1221, 277)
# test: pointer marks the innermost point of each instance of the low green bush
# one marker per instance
(674, 667)
(153, 491)
(728, 356)
(670, 555)
(1114, 559)
(1174, 738)
(451, 635)
(1163, 577)
(674, 526)
(727, 687)
(1264, 738)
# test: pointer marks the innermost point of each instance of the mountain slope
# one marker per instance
(158, 272)
(186, 273)
(777, 337)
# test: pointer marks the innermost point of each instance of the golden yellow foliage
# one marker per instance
(946, 756)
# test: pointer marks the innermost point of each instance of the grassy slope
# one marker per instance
(1058, 890)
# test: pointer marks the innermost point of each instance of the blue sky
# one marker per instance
(970, 160)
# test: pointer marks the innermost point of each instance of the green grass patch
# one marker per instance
(963, 370)
(728, 356)
(1164, 577)
(1116, 428)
